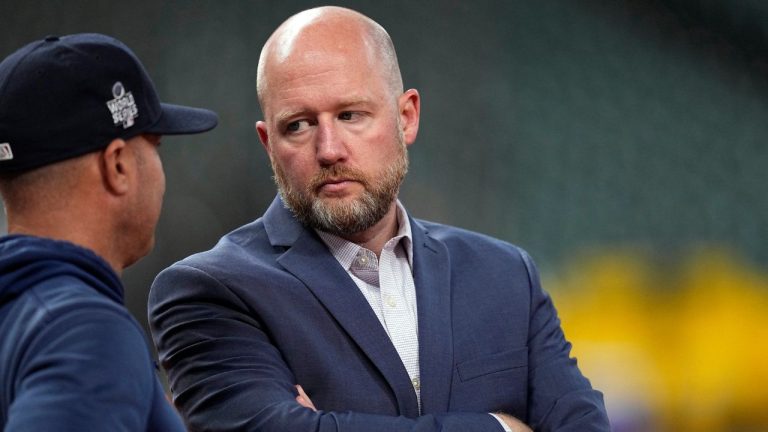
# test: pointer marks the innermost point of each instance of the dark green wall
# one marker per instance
(559, 125)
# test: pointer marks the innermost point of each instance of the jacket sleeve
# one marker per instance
(86, 369)
(226, 374)
(561, 398)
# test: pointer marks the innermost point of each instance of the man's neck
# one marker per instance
(375, 237)
(62, 228)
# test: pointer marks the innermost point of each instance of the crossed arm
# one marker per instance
(227, 372)
(513, 424)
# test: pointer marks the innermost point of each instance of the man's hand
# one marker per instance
(513, 423)
(304, 400)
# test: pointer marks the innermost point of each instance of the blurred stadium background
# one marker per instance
(621, 142)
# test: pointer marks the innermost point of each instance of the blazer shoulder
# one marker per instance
(477, 251)
(245, 247)
(456, 238)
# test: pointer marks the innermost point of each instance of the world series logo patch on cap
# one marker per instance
(5, 152)
(123, 106)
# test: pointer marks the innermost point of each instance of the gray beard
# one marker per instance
(344, 218)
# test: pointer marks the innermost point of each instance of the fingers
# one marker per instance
(303, 399)
(514, 424)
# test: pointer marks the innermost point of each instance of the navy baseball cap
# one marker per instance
(63, 97)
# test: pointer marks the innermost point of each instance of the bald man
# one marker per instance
(82, 185)
(336, 310)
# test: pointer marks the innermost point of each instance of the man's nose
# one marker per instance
(331, 147)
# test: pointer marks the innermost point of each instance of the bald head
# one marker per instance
(325, 31)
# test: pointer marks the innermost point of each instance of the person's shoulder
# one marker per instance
(66, 311)
(479, 252)
(454, 236)
(67, 296)
(239, 252)
(94, 351)
(240, 244)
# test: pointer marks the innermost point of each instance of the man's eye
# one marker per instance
(346, 115)
(296, 126)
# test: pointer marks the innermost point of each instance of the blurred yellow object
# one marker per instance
(680, 347)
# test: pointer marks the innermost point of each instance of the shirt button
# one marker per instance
(416, 383)
(363, 260)
(390, 301)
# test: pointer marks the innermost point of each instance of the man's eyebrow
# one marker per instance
(285, 115)
(288, 114)
(354, 102)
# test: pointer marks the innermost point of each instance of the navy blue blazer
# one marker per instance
(269, 307)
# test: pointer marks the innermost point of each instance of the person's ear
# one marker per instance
(409, 109)
(115, 166)
(261, 129)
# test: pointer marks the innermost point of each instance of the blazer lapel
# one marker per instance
(431, 273)
(309, 260)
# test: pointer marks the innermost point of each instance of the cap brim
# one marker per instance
(180, 120)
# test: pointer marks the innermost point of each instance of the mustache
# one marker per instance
(336, 172)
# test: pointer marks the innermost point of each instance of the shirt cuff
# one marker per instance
(504, 425)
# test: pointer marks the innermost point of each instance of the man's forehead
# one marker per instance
(308, 63)
(323, 65)
(322, 55)
(310, 49)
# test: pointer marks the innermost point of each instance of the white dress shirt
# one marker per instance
(387, 284)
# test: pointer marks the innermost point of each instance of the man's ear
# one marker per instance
(261, 129)
(409, 105)
(115, 166)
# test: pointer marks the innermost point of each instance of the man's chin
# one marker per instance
(334, 201)
(347, 193)
(338, 206)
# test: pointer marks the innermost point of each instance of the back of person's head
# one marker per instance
(42, 187)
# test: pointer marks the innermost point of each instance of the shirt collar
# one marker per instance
(345, 251)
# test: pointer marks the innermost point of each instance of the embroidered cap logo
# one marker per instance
(123, 107)
(5, 152)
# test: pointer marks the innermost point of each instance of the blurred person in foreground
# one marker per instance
(82, 184)
(337, 311)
